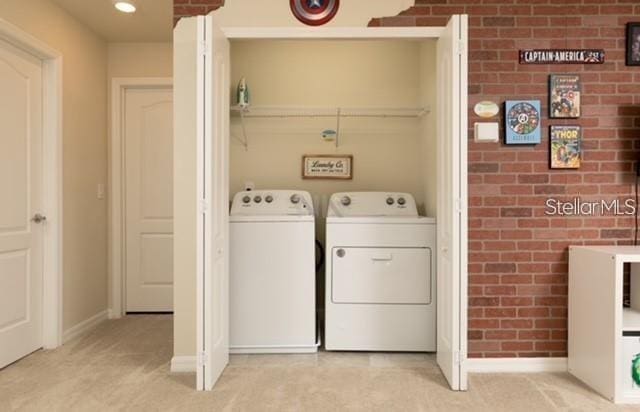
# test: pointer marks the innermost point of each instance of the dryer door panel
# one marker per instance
(381, 275)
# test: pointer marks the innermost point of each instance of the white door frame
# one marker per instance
(350, 33)
(117, 253)
(52, 177)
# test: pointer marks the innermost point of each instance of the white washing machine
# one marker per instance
(380, 274)
(272, 302)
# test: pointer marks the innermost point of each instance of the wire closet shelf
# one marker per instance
(266, 112)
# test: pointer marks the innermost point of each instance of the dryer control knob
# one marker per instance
(402, 201)
(246, 199)
(269, 199)
(257, 199)
(390, 201)
(295, 199)
(346, 201)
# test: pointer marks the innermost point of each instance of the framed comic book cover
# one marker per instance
(565, 91)
(633, 44)
(566, 147)
(522, 122)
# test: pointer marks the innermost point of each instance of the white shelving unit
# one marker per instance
(603, 336)
(283, 112)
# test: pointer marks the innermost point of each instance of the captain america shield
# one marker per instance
(314, 12)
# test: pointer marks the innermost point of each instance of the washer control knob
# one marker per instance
(402, 201)
(268, 199)
(390, 201)
(246, 199)
(257, 199)
(295, 199)
(346, 201)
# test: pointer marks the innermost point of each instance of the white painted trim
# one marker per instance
(463, 234)
(119, 86)
(183, 364)
(334, 33)
(84, 327)
(516, 365)
(52, 178)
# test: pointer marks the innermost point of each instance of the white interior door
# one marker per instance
(21, 237)
(452, 196)
(148, 146)
(200, 38)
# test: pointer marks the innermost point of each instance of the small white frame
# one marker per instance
(52, 177)
(117, 244)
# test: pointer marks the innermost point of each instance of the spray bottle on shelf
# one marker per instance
(243, 94)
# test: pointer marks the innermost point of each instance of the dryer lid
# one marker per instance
(372, 204)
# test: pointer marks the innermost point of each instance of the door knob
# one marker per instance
(38, 218)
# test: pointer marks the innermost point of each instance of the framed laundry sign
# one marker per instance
(327, 167)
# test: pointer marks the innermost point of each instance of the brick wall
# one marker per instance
(518, 255)
(186, 8)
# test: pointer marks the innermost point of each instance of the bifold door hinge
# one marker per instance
(457, 358)
(458, 205)
(203, 206)
(205, 48)
(461, 47)
(202, 359)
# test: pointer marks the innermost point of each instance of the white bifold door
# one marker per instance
(21, 222)
(148, 144)
(452, 199)
(202, 78)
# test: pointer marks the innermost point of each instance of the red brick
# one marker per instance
(516, 324)
(501, 334)
(517, 346)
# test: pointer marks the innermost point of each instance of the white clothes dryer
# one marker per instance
(380, 274)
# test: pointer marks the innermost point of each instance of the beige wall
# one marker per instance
(428, 141)
(84, 151)
(140, 60)
(184, 190)
(329, 74)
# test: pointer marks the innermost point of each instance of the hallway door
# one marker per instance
(148, 160)
(21, 226)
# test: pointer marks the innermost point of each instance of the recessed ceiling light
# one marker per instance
(127, 6)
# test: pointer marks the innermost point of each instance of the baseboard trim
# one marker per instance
(183, 364)
(84, 326)
(112, 315)
(516, 365)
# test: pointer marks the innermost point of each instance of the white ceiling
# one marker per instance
(152, 22)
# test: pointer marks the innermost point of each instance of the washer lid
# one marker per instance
(272, 203)
(271, 219)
